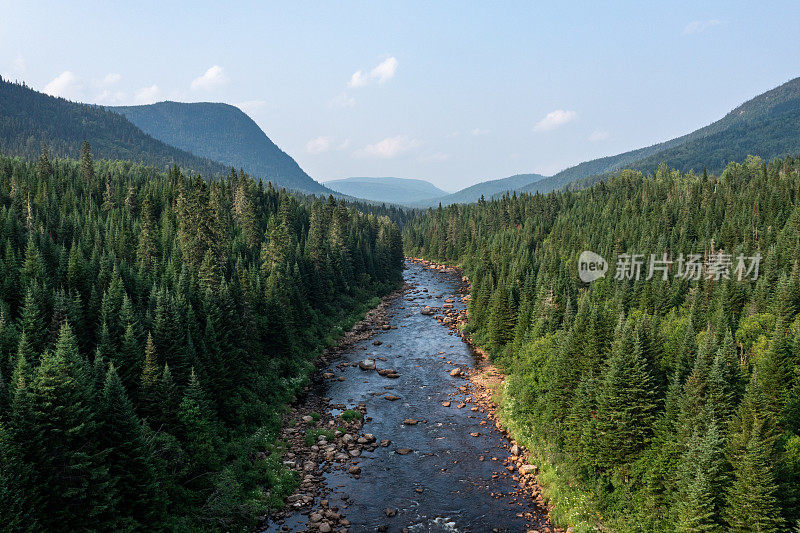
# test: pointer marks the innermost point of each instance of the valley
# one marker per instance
(437, 462)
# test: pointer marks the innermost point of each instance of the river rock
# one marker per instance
(367, 364)
(404, 451)
(515, 450)
(392, 397)
(527, 469)
(410, 422)
(355, 470)
(455, 372)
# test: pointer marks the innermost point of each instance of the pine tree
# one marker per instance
(87, 163)
(128, 458)
(626, 406)
(753, 496)
(31, 323)
(149, 382)
(198, 433)
(57, 431)
(43, 167)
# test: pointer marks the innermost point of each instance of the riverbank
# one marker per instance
(567, 505)
(318, 437)
(485, 391)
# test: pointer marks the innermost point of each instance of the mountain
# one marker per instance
(223, 133)
(767, 126)
(389, 190)
(30, 119)
(487, 189)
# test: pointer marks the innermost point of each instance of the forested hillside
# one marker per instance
(30, 119)
(767, 126)
(223, 133)
(662, 404)
(152, 326)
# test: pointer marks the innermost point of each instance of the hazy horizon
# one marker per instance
(453, 94)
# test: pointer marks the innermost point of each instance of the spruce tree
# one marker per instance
(59, 435)
(128, 458)
(626, 406)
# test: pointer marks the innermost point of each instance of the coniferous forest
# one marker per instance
(654, 405)
(152, 326)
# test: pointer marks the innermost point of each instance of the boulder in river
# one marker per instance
(404, 451)
(410, 422)
(367, 364)
(427, 310)
(455, 372)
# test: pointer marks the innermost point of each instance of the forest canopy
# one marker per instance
(674, 404)
(152, 327)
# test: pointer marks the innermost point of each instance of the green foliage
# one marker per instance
(683, 417)
(30, 118)
(313, 434)
(224, 133)
(147, 350)
(351, 414)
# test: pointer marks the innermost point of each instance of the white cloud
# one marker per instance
(319, 145)
(599, 135)
(343, 100)
(111, 79)
(111, 97)
(344, 144)
(66, 85)
(478, 131)
(388, 148)
(17, 69)
(380, 74)
(19, 63)
(147, 95)
(554, 119)
(212, 78)
(252, 106)
(699, 26)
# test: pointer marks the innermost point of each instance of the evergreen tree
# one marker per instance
(128, 458)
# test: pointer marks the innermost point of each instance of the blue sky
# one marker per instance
(452, 92)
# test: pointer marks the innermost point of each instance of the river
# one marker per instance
(452, 480)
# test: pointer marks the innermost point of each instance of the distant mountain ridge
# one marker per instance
(389, 190)
(767, 126)
(30, 119)
(487, 189)
(224, 133)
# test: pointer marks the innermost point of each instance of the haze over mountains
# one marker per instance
(224, 133)
(389, 190)
(30, 119)
(767, 126)
(209, 138)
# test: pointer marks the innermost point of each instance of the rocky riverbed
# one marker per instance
(399, 431)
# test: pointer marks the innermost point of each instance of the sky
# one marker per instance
(451, 92)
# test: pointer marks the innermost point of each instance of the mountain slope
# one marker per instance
(223, 133)
(30, 119)
(487, 189)
(389, 190)
(766, 125)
